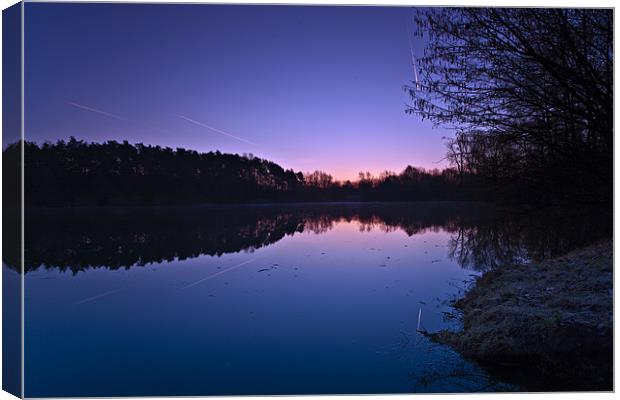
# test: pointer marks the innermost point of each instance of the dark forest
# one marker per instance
(112, 173)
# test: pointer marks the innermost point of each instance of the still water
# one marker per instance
(295, 299)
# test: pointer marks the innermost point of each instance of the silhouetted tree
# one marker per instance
(319, 179)
(74, 172)
(529, 92)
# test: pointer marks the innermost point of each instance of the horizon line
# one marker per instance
(376, 174)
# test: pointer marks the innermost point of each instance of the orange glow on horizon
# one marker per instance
(347, 174)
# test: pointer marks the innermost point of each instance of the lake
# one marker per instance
(269, 299)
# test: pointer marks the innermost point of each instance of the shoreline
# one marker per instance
(270, 204)
(546, 326)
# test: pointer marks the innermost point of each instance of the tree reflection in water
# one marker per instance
(482, 236)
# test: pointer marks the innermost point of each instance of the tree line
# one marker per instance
(76, 172)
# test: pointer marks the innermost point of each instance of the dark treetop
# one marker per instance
(529, 92)
(112, 173)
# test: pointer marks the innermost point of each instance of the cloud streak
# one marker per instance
(193, 121)
(107, 114)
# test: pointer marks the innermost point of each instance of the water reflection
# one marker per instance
(330, 300)
(482, 237)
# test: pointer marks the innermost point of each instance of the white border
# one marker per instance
(23, 242)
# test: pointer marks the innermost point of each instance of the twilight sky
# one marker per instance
(307, 87)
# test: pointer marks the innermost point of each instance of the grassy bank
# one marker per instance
(545, 325)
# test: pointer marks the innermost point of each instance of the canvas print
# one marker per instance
(228, 199)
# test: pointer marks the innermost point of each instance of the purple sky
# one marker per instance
(307, 87)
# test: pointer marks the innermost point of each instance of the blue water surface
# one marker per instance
(306, 300)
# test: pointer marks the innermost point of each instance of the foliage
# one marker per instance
(75, 172)
(529, 93)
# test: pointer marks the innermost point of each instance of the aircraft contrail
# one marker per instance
(107, 114)
(193, 121)
(218, 273)
(413, 61)
(86, 300)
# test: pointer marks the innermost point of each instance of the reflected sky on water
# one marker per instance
(304, 299)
